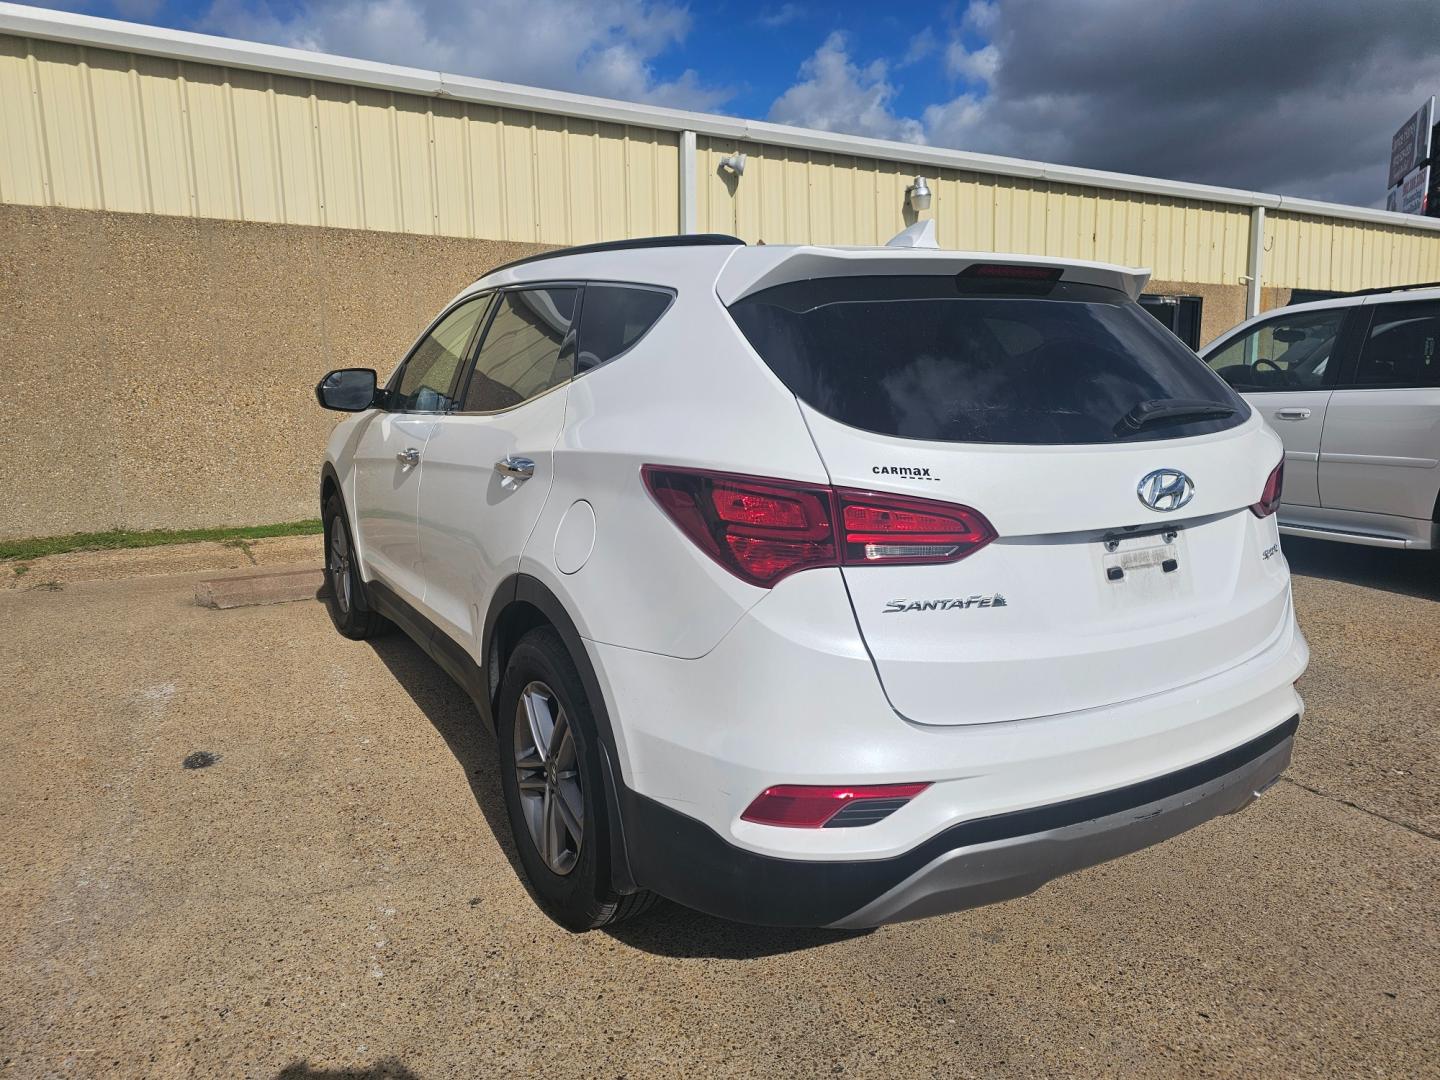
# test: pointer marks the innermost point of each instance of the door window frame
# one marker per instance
(487, 296)
(482, 330)
(568, 345)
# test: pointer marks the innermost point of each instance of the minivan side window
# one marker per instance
(526, 350)
(615, 317)
(426, 380)
(1401, 348)
(1289, 352)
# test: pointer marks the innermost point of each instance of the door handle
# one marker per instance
(518, 468)
(408, 457)
(1292, 414)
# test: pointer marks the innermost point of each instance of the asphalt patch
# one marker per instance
(200, 759)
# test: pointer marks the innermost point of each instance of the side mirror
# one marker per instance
(347, 390)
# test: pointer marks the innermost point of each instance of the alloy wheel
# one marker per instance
(339, 564)
(547, 771)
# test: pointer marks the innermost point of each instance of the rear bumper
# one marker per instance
(972, 863)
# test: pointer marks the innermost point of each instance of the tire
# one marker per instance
(558, 790)
(345, 592)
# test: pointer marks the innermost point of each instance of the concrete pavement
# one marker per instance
(335, 896)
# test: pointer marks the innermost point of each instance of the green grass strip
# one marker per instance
(126, 538)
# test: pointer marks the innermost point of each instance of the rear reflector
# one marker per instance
(802, 806)
(762, 530)
(1270, 496)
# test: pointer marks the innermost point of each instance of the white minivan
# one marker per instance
(824, 586)
(1352, 385)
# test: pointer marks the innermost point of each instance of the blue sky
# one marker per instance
(749, 52)
(1292, 96)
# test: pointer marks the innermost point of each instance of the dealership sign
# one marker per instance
(1409, 197)
(1410, 147)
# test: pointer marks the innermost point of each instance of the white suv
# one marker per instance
(1352, 385)
(824, 586)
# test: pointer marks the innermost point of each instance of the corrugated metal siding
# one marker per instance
(101, 130)
(790, 195)
(1320, 253)
(98, 129)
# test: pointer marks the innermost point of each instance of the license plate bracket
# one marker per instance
(1152, 552)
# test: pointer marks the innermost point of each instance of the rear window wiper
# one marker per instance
(1149, 412)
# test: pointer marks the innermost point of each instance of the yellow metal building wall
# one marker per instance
(100, 130)
(104, 130)
(1324, 253)
(788, 195)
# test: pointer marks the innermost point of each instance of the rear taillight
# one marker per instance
(762, 530)
(1270, 497)
(878, 528)
(805, 806)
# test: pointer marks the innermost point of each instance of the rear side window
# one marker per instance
(526, 350)
(1401, 349)
(615, 318)
(942, 359)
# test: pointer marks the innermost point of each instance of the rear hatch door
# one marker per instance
(1127, 560)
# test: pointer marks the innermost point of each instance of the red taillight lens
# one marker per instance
(1270, 497)
(802, 806)
(762, 530)
(897, 529)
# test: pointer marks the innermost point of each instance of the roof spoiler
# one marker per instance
(765, 267)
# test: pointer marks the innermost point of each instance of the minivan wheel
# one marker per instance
(554, 787)
(344, 598)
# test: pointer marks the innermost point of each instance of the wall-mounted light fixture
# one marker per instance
(735, 163)
(919, 193)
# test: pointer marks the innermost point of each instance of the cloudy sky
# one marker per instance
(1292, 96)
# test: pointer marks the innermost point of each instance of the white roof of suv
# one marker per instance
(737, 269)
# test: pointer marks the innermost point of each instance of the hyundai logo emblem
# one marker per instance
(1165, 490)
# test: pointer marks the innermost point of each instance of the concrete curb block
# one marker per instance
(251, 590)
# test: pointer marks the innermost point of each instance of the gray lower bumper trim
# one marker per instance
(985, 873)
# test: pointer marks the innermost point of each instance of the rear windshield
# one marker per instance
(946, 359)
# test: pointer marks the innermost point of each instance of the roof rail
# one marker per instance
(1395, 288)
(689, 240)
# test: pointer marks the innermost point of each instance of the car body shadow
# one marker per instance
(1411, 573)
(668, 930)
(388, 1069)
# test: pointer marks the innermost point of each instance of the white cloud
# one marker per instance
(921, 46)
(977, 65)
(601, 47)
(784, 15)
(981, 16)
(836, 94)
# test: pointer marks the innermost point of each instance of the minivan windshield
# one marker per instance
(947, 359)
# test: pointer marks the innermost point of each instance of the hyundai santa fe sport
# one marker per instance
(824, 586)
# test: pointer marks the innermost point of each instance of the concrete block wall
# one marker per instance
(158, 372)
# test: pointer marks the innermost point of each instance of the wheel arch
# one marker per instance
(329, 485)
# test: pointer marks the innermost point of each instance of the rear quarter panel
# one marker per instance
(690, 394)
